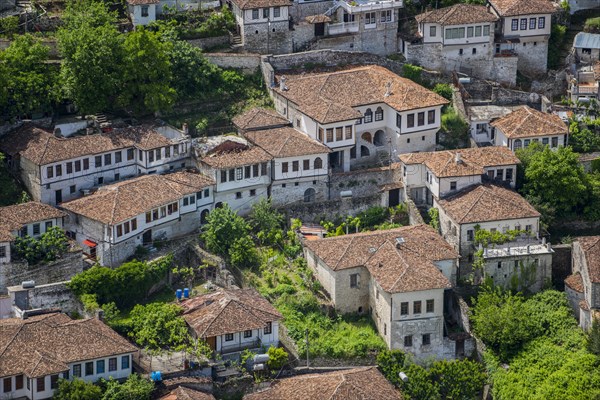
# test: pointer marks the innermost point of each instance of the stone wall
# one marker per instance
(330, 210)
(210, 42)
(263, 38)
(533, 59)
(53, 295)
(414, 215)
(299, 11)
(362, 183)
(561, 265)
(43, 273)
(246, 62)
(577, 5)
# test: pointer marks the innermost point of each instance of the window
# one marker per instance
(248, 333)
(429, 305)
(455, 33)
(474, 50)
(541, 22)
(86, 164)
(77, 370)
(432, 31)
(238, 174)
(470, 235)
(431, 116)
(2, 251)
(478, 31)
(545, 141)
(265, 13)
(408, 341)
(206, 192)
(318, 163)
(370, 18)
(58, 170)
(386, 16)
(36, 229)
(528, 228)
(23, 231)
(518, 144)
(404, 308)
(248, 172)
(19, 382)
(158, 154)
(77, 165)
(320, 135)
(410, 121)
(348, 132)
(54, 381)
(130, 154)
(532, 23)
(368, 116)
(486, 30)
(89, 368)
(40, 384)
(253, 192)
(255, 14)
(228, 337)
(69, 168)
(453, 185)
(526, 142)
(523, 24)
(460, 52)
(398, 121)
(268, 329)
(297, 122)
(295, 166)
(514, 25)
(72, 189)
(7, 385)
(426, 339)
(263, 169)
(379, 114)
(470, 31)
(329, 135)
(125, 362)
(238, 195)
(50, 172)
(417, 307)
(284, 168)
(305, 165)
(107, 159)
(276, 12)
(98, 161)
(421, 119)
(112, 364)
(145, 11)
(231, 175)
(119, 230)
(354, 280)
(554, 142)
(339, 133)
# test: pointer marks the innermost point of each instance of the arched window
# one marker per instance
(364, 151)
(379, 114)
(219, 205)
(309, 195)
(204, 217)
(318, 163)
(368, 116)
(379, 139)
(517, 144)
(366, 136)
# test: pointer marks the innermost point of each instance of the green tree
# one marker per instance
(243, 253)
(584, 140)
(146, 73)
(223, 229)
(593, 338)
(556, 178)
(158, 326)
(134, 388)
(278, 357)
(28, 77)
(391, 363)
(444, 90)
(92, 55)
(51, 245)
(458, 379)
(76, 389)
(419, 386)
(266, 222)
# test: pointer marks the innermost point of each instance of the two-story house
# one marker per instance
(242, 172)
(230, 321)
(399, 276)
(434, 175)
(583, 286)
(113, 221)
(524, 29)
(142, 12)
(56, 169)
(27, 219)
(525, 125)
(489, 207)
(363, 114)
(40, 350)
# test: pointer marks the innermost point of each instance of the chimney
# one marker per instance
(100, 314)
(399, 242)
(57, 133)
(388, 89)
(457, 158)
(549, 246)
(185, 128)
(282, 86)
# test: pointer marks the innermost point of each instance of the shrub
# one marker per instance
(159, 326)
(444, 90)
(50, 246)
(9, 25)
(592, 25)
(77, 389)
(413, 72)
(278, 357)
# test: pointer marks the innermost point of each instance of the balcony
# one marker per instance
(357, 6)
(342, 28)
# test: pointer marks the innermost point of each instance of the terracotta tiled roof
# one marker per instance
(46, 344)
(458, 14)
(597, 71)
(584, 305)
(330, 97)
(575, 282)
(286, 142)
(590, 245)
(42, 147)
(236, 158)
(508, 8)
(259, 118)
(121, 201)
(350, 251)
(472, 161)
(487, 202)
(228, 311)
(354, 384)
(391, 186)
(399, 270)
(248, 4)
(183, 393)
(317, 19)
(527, 122)
(13, 217)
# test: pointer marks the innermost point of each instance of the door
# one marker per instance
(147, 237)
(212, 342)
(394, 198)
(58, 194)
(320, 29)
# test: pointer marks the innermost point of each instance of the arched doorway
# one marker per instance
(204, 217)
(379, 139)
(364, 151)
(309, 195)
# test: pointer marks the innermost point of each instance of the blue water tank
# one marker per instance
(178, 294)
(156, 376)
(186, 293)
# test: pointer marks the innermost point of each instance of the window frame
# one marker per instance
(514, 24)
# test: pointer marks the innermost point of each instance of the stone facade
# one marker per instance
(209, 42)
(299, 190)
(331, 209)
(248, 63)
(272, 38)
(53, 295)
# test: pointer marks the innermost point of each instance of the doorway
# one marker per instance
(58, 194)
(394, 197)
(320, 29)
(147, 237)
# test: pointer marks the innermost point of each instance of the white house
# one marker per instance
(242, 172)
(398, 276)
(363, 114)
(142, 12)
(113, 221)
(231, 321)
(524, 29)
(525, 125)
(587, 47)
(434, 175)
(40, 350)
(56, 169)
(584, 85)
(583, 285)
(480, 118)
(27, 219)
